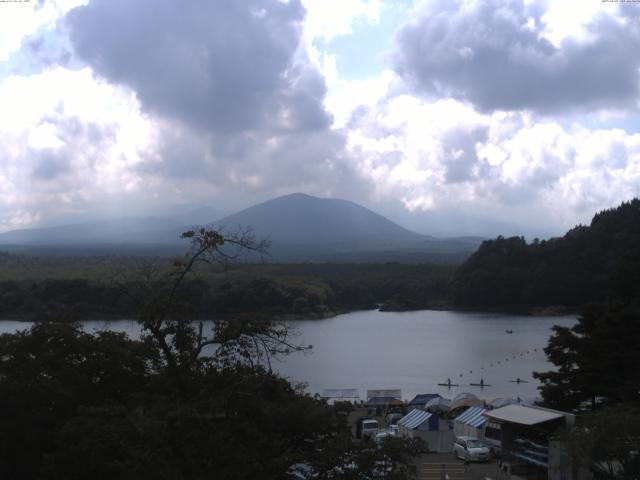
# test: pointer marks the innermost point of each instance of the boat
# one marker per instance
(518, 380)
(481, 384)
(449, 384)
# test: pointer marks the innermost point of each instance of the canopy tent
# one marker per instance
(474, 417)
(436, 433)
(414, 419)
(470, 423)
(438, 405)
(422, 399)
(465, 399)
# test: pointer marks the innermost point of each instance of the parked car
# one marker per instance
(470, 449)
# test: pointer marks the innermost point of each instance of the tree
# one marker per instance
(606, 442)
(184, 402)
(596, 360)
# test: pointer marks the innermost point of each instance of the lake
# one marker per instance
(415, 351)
(412, 351)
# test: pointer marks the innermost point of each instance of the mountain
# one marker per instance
(303, 227)
(300, 227)
(300, 218)
(588, 264)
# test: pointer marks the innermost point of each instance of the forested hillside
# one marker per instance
(587, 265)
(102, 287)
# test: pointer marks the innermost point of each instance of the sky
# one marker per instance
(453, 117)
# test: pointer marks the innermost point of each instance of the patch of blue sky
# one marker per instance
(361, 55)
(629, 122)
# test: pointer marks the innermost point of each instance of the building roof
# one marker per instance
(341, 393)
(523, 415)
(383, 401)
(414, 419)
(423, 398)
(473, 416)
(390, 392)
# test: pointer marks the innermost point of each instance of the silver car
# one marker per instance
(470, 449)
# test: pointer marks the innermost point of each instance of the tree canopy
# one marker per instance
(596, 360)
(586, 265)
(182, 402)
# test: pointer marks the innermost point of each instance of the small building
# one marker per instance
(470, 423)
(434, 431)
(384, 405)
(528, 440)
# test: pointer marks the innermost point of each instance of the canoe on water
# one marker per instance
(449, 384)
(519, 381)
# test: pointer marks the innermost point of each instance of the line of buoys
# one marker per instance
(496, 363)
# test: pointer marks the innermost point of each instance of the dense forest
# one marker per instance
(103, 287)
(587, 265)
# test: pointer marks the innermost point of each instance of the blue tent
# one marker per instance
(422, 399)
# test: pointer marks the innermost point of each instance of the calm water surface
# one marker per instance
(412, 351)
(415, 351)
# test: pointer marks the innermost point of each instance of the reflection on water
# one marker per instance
(413, 351)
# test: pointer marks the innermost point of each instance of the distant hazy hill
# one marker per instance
(301, 228)
(120, 231)
(198, 216)
(586, 265)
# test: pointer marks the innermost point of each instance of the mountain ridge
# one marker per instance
(301, 228)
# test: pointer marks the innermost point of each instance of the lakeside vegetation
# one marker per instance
(587, 265)
(100, 287)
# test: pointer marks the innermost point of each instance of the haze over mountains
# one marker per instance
(300, 227)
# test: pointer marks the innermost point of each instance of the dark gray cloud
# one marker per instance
(492, 53)
(223, 66)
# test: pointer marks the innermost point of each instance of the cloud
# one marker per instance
(217, 66)
(240, 102)
(67, 142)
(496, 55)
(444, 156)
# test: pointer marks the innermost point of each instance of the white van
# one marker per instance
(370, 428)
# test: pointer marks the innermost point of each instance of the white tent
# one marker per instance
(465, 399)
(470, 423)
(435, 432)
